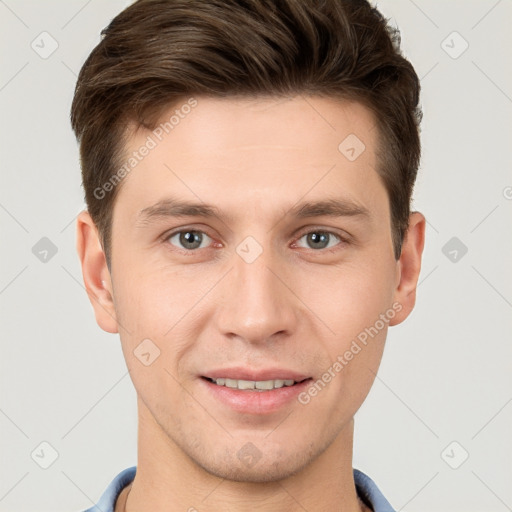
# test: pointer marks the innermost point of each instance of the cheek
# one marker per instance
(155, 310)
(349, 297)
(150, 310)
(147, 300)
(356, 304)
(354, 359)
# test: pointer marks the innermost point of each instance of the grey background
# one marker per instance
(446, 374)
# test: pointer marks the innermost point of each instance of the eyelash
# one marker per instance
(342, 240)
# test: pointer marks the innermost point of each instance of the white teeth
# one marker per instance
(231, 383)
(246, 384)
(260, 385)
(264, 384)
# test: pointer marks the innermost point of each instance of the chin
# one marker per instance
(260, 473)
(270, 465)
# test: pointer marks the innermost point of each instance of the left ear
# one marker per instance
(409, 266)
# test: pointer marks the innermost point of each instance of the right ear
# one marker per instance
(95, 272)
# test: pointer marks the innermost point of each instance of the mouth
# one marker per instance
(254, 385)
(254, 397)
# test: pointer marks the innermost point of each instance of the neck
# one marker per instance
(168, 479)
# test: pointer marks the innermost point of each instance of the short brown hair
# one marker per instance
(157, 52)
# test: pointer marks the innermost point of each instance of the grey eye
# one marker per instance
(319, 239)
(189, 239)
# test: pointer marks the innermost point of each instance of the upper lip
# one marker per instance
(239, 373)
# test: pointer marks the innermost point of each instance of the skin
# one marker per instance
(297, 306)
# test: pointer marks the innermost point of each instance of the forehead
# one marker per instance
(236, 123)
(249, 152)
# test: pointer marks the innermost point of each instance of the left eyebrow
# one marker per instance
(329, 208)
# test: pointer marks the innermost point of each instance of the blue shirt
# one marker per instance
(366, 488)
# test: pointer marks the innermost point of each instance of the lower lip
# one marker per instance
(256, 402)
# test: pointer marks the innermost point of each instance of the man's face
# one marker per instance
(256, 288)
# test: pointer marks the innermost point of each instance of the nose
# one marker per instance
(257, 303)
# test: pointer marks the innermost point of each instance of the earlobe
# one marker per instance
(95, 272)
(409, 266)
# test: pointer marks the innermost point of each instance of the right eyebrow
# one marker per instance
(176, 208)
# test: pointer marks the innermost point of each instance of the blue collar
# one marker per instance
(365, 486)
